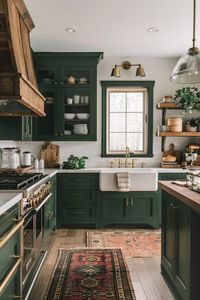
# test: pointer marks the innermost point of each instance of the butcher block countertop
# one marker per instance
(184, 194)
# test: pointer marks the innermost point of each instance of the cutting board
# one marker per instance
(50, 154)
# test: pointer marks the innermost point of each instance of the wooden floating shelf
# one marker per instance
(167, 105)
(170, 133)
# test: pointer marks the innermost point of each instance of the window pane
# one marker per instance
(117, 141)
(117, 122)
(117, 102)
(135, 141)
(135, 122)
(135, 102)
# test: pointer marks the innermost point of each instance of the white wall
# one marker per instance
(158, 69)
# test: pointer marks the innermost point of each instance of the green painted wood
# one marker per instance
(77, 199)
(131, 208)
(7, 220)
(13, 288)
(147, 84)
(57, 67)
(176, 255)
(171, 176)
(16, 128)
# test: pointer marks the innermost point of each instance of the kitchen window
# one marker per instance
(127, 118)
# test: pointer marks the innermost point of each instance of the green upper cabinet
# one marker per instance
(64, 76)
(16, 128)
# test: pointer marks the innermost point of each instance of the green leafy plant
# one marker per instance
(192, 122)
(74, 162)
(188, 98)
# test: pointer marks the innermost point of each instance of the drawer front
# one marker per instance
(78, 179)
(77, 215)
(78, 196)
(12, 290)
(7, 220)
(8, 253)
(171, 176)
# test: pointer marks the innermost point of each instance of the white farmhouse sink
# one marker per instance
(141, 179)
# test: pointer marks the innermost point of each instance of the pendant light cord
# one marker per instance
(194, 22)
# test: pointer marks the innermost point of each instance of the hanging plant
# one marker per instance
(188, 98)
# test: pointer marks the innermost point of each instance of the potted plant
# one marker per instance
(188, 98)
(191, 125)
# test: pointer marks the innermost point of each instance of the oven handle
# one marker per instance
(43, 202)
(10, 275)
(8, 235)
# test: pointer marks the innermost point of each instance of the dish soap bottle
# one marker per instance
(41, 163)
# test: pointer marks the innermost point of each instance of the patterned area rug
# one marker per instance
(90, 274)
(134, 242)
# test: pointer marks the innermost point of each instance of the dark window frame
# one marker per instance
(149, 85)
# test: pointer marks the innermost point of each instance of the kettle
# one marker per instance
(27, 159)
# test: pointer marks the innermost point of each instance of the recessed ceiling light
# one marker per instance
(70, 29)
(153, 29)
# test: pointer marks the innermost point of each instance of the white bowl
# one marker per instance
(69, 116)
(82, 116)
(67, 132)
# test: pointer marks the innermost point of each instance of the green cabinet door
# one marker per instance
(77, 198)
(53, 71)
(176, 244)
(131, 208)
(16, 128)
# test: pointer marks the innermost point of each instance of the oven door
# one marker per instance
(29, 241)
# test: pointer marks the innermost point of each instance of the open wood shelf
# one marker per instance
(181, 134)
(167, 105)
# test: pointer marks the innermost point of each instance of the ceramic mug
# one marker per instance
(76, 99)
(69, 100)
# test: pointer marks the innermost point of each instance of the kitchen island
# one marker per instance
(180, 259)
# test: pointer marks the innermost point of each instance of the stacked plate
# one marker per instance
(80, 129)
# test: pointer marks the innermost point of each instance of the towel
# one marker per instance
(123, 181)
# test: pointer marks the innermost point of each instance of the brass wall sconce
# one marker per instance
(126, 65)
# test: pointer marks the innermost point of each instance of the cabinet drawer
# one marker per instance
(78, 214)
(9, 254)
(77, 196)
(171, 176)
(8, 219)
(78, 179)
(12, 289)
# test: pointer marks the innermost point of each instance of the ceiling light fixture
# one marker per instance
(153, 29)
(126, 65)
(70, 30)
(187, 69)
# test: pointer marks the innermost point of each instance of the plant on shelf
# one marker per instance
(191, 125)
(188, 98)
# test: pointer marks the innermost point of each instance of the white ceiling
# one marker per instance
(116, 27)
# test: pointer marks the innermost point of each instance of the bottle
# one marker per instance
(36, 164)
(41, 163)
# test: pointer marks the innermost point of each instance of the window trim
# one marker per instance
(140, 84)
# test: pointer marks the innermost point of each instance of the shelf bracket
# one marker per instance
(163, 139)
(164, 116)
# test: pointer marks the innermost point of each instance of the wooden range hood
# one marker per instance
(19, 94)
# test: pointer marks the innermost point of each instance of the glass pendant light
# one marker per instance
(187, 69)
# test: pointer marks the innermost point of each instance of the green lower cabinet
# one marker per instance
(10, 254)
(132, 208)
(77, 198)
(176, 226)
(171, 176)
(50, 210)
(12, 290)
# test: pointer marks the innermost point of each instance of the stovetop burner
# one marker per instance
(14, 181)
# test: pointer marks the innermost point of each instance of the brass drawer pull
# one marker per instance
(8, 235)
(10, 274)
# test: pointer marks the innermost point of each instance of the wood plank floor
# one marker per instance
(145, 272)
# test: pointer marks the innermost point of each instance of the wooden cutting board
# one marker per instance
(50, 154)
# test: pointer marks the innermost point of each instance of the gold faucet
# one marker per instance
(127, 156)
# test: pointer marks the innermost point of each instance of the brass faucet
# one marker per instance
(127, 156)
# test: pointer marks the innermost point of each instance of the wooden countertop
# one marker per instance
(184, 194)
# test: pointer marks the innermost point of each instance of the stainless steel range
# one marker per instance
(36, 188)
